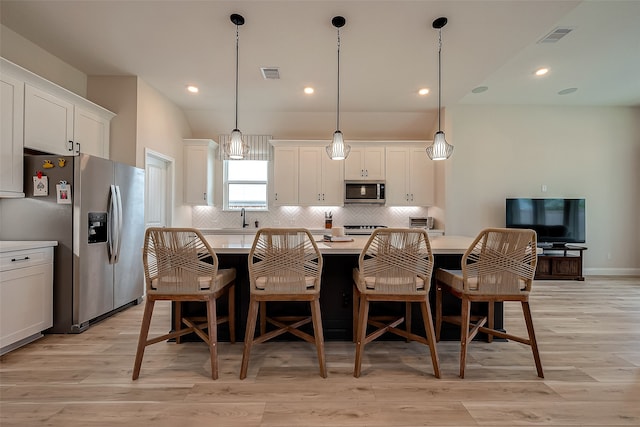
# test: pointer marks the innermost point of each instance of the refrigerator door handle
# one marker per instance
(113, 223)
(119, 227)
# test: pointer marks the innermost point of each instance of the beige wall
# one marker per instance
(162, 127)
(21, 51)
(511, 151)
(118, 94)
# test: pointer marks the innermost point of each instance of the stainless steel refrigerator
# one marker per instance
(99, 225)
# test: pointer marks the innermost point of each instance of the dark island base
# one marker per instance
(336, 302)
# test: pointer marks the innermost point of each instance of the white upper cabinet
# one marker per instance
(321, 180)
(199, 157)
(11, 136)
(57, 121)
(91, 132)
(48, 122)
(410, 177)
(365, 163)
(285, 176)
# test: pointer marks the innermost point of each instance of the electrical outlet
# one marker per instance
(544, 188)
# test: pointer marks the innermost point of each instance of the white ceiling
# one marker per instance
(388, 52)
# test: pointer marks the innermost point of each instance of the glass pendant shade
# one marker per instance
(440, 149)
(235, 148)
(338, 150)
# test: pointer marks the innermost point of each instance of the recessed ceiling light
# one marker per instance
(423, 91)
(193, 89)
(480, 89)
(568, 91)
(309, 90)
(541, 71)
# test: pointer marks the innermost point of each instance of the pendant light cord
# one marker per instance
(439, 74)
(338, 106)
(237, 42)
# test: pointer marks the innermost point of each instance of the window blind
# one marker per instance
(259, 147)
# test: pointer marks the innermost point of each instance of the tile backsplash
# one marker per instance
(308, 217)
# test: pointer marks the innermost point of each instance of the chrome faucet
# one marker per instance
(243, 214)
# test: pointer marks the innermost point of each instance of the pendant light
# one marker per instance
(440, 149)
(338, 150)
(235, 148)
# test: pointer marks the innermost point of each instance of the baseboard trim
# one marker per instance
(611, 272)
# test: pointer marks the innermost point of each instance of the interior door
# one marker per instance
(156, 200)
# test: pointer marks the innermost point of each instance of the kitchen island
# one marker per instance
(336, 288)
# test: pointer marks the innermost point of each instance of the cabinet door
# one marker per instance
(11, 136)
(310, 177)
(353, 164)
(397, 185)
(421, 178)
(198, 173)
(285, 176)
(91, 133)
(374, 163)
(48, 122)
(26, 295)
(332, 180)
(365, 163)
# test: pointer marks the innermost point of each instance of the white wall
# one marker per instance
(511, 151)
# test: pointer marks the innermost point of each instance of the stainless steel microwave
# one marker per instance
(364, 192)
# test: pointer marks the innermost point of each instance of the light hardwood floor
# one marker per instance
(588, 333)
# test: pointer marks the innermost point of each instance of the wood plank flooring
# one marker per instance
(588, 333)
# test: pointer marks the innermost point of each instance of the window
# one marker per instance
(245, 184)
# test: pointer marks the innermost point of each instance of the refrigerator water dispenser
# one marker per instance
(97, 227)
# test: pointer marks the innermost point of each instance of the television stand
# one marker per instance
(560, 263)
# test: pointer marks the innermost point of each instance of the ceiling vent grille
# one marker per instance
(270, 73)
(556, 35)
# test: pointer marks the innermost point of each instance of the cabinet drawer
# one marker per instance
(25, 258)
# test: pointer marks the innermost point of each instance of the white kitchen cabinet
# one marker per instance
(91, 132)
(365, 163)
(285, 176)
(410, 176)
(58, 121)
(321, 180)
(11, 135)
(26, 294)
(199, 158)
(48, 122)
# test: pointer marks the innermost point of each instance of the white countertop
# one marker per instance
(20, 245)
(241, 244)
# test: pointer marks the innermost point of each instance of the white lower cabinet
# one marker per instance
(26, 296)
(321, 180)
(410, 176)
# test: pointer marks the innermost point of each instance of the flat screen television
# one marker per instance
(556, 221)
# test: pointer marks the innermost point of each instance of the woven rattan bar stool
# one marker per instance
(179, 265)
(395, 265)
(498, 266)
(284, 265)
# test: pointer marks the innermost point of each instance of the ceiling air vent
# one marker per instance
(270, 73)
(556, 35)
